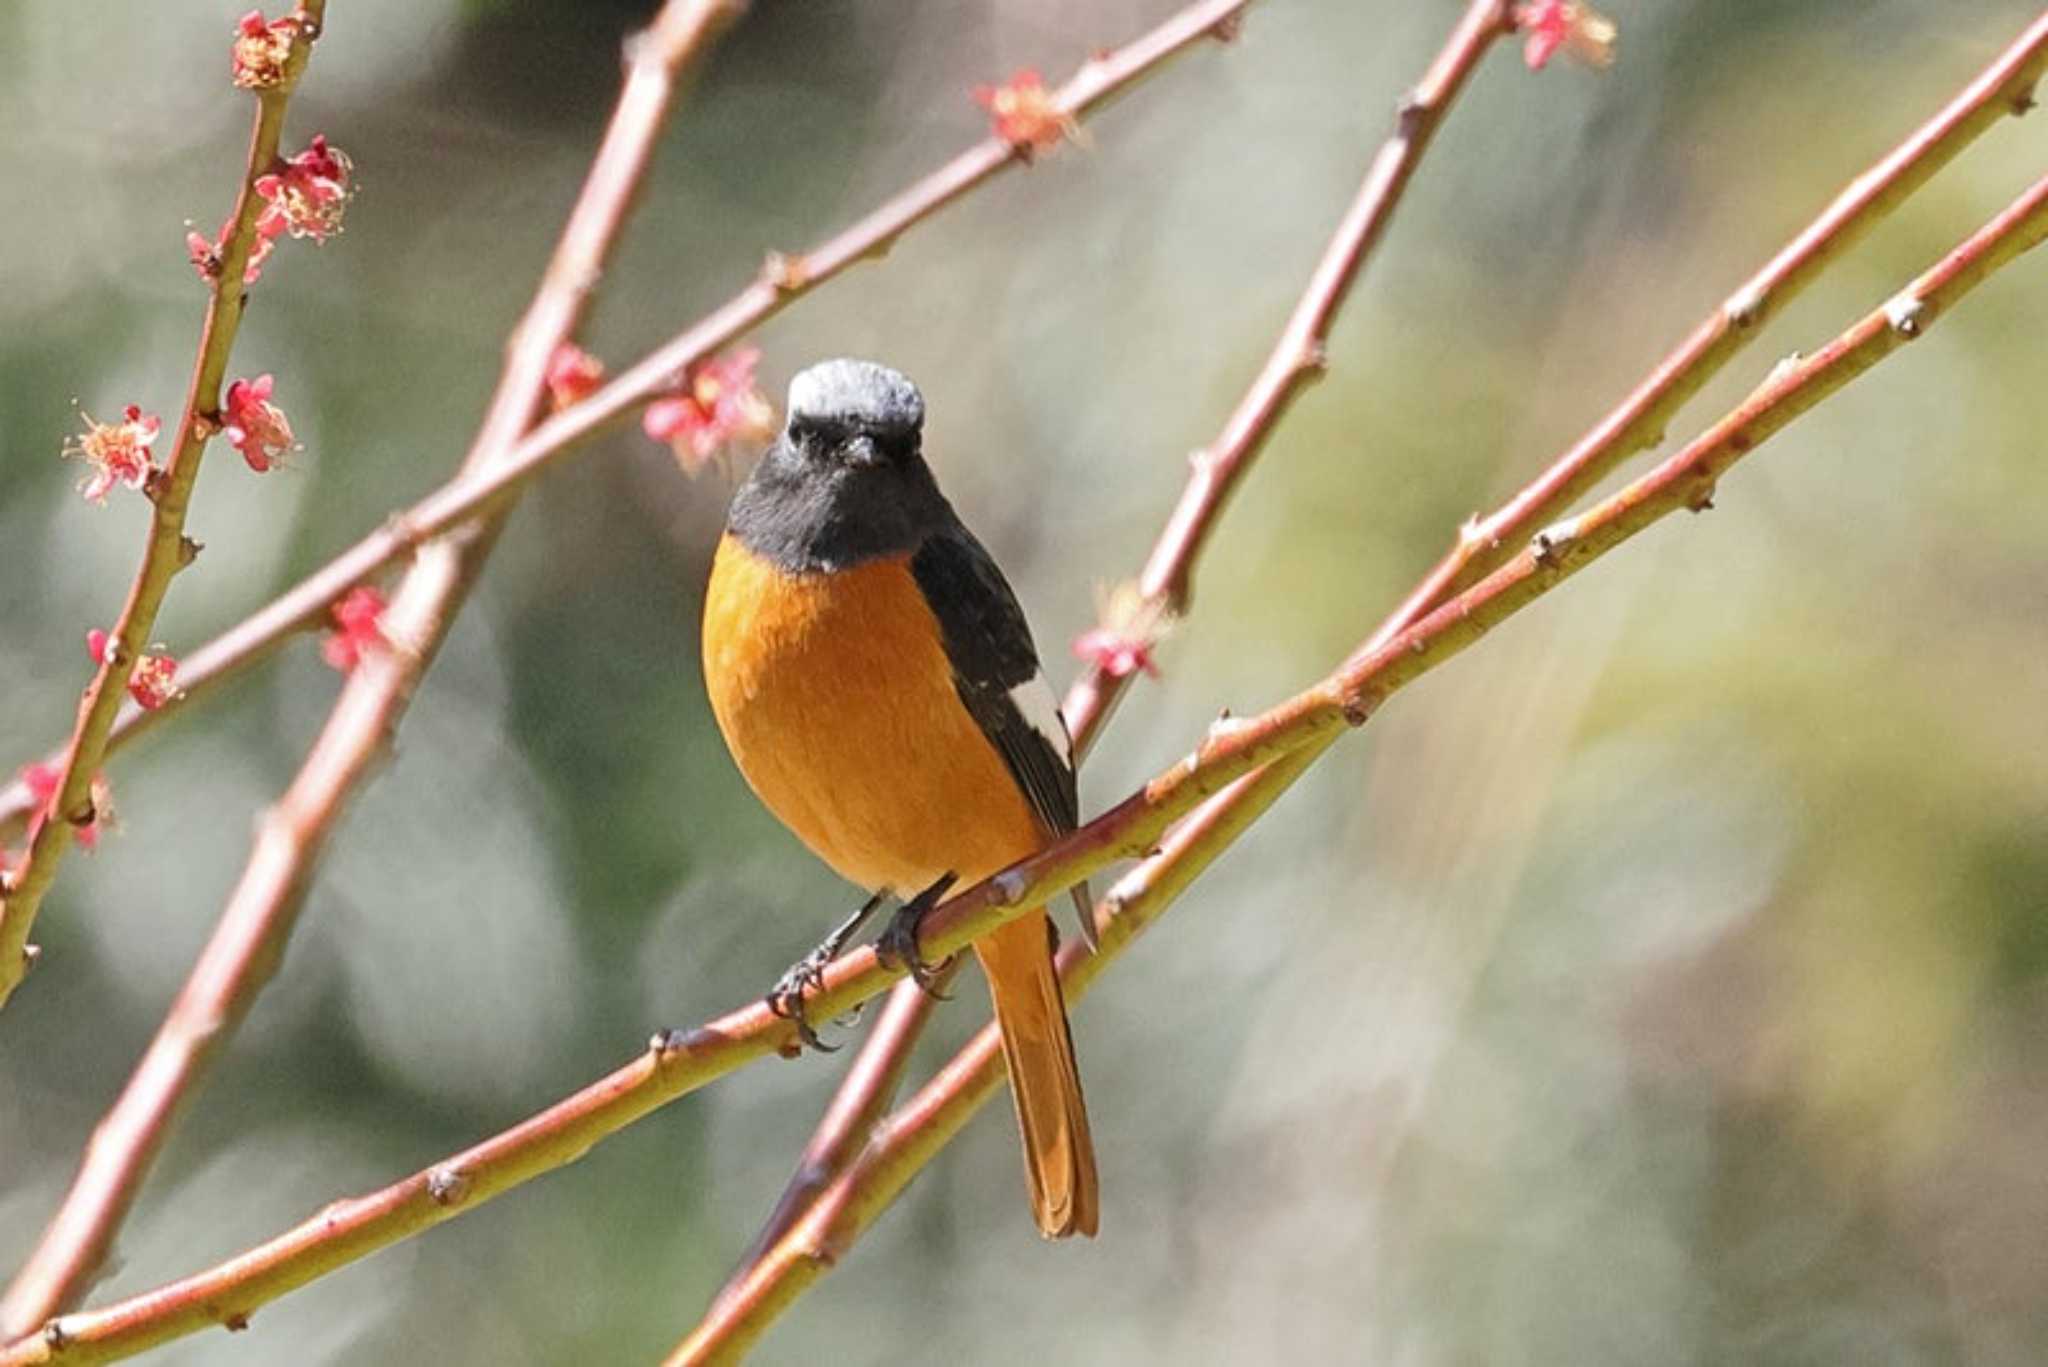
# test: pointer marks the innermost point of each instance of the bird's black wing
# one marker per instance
(995, 670)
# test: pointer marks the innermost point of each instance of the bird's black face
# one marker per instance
(847, 481)
(854, 415)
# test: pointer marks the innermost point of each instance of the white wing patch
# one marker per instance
(1035, 702)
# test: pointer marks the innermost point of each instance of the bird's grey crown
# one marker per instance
(858, 393)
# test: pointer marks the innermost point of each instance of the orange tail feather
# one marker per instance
(1059, 1154)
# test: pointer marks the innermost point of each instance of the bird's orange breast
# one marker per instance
(837, 700)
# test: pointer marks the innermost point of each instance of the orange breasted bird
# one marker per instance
(877, 684)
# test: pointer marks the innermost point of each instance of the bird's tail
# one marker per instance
(1059, 1155)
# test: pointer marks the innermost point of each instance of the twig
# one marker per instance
(913, 1135)
(250, 938)
(1296, 359)
(785, 278)
(680, 1062)
(2004, 87)
(909, 1138)
(165, 553)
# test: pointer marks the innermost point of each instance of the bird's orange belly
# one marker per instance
(837, 701)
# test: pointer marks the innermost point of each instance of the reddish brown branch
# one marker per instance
(164, 553)
(787, 277)
(250, 938)
(1296, 359)
(680, 1062)
(2004, 87)
(912, 1136)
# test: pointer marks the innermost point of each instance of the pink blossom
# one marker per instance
(254, 425)
(1023, 113)
(308, 196)
(572, 374)
(358, 627)
(721, 408)
(119, 453)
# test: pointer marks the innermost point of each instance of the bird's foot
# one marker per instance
(898, 944)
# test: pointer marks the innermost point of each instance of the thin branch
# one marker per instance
(785, 278)
(166, 552)
(250, 938)
(2004, 87)
(1296, 359)
(678, 1062)
(911, 1137)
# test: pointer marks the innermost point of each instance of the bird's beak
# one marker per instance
(860, 452)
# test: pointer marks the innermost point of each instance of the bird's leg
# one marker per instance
(786, 998)
(898, 944)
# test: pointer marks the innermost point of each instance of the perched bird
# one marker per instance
(877, 684)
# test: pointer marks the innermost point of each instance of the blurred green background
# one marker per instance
(1666, 980)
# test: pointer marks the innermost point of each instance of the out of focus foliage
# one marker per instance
(1662, 981)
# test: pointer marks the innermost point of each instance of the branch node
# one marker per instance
(235, 1321)
(1409, 112)
(1315, 360)
(1547, 546)
(1702, 500)
(2023, 102)
(1009, 886)
(1745, 306)
(31, 955)
(785, 272)
(56, 1335)
(188, 550)
(1229, 28)
(1907, 314)
(447, 1186)
(1357, 708)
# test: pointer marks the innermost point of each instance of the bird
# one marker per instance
(876, 682)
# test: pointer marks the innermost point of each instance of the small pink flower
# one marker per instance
(1551, 26)
(119, 453)
(358, 628)
(42, 781)
(572, 374)
(1023, 113)
(254, 425)
(155, 680)
(722, 408)
(308, 196)
(1130, 627)
(206, 253)
(261, 49)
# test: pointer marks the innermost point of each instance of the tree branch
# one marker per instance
(784, 279)
(250, 938)
(911, 1137)
(164, 554)
(678, 1062)
(1296, 359)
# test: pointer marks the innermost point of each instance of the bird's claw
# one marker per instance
(898, 944)
(786, 998)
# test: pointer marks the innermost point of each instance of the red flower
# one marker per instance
(306, 198)
(358, 627)
(1024, 113)
(572, 374)
(42, 781)
(1131, 626)
(722, 408)
(205, 255)
(261, 48)
(155, 680)
(254, 425)
(119, 453)
(1568, 25)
